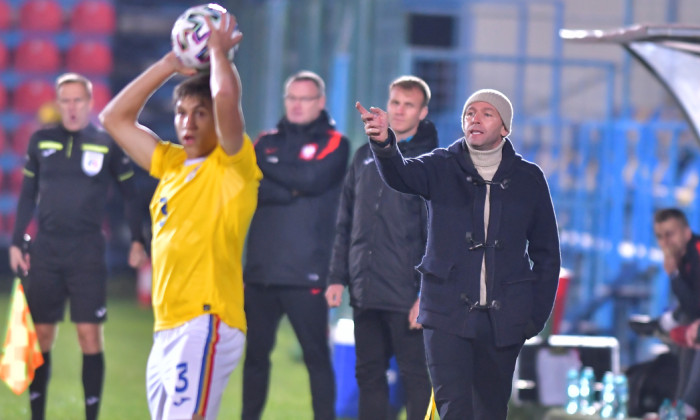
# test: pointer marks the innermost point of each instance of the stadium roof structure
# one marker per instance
(671, 52)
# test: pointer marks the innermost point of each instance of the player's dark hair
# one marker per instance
(196, 86)
(663, 215)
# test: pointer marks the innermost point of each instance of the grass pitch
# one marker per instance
(128, 339)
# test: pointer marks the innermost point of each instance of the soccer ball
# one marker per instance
(190, 34)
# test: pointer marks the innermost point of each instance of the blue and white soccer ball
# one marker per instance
(190, 35)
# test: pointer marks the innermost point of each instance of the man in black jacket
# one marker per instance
(380, 238)
(681, 250)
(69, 168)
(491, 267)
(289, 242)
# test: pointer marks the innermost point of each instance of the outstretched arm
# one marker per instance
(120, 116)
(409, 176)
(226, 85)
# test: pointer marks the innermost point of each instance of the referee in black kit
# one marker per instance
(69, 167)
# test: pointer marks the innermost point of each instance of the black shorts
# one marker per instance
(70, 268)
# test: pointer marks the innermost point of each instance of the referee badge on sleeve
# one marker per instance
(92, 162)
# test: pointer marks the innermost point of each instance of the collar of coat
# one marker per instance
(459, 151)
(319, 126)
(423, 141)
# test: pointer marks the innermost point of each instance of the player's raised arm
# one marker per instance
(120, 116)
(225, 84)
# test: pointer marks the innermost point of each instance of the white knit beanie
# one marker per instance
(497, 100)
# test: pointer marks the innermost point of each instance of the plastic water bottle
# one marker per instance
(607, 397)
(674, 412)
(680, 410)
(572, 391)
(622, 396)
(586, 390)
(665, 410)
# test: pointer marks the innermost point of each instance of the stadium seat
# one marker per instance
(10, 225)
(93, 17)
(41, 16)
(9, 222)
(31, 94)
(3, 141)
(4, 56)
(20, 137)
(37, 55)
(101, 95)
(15, 181)
(90, 58)
(3, 97)
(5, 15)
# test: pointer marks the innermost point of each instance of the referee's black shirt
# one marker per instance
(67, 176)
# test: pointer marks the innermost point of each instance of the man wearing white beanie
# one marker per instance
(491, 265)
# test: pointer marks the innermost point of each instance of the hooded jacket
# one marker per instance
(291, 234)
(380, 233)
(520, 250)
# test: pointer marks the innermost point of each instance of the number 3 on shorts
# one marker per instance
(182, 383)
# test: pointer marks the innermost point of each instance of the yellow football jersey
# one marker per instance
(201, 212)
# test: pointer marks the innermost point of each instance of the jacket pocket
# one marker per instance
(435, 269)
(437, 294)
(518, 300)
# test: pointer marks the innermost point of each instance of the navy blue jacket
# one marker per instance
(291, 234)
(521, 248)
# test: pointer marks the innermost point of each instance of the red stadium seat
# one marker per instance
(20, 140)
(90, 58)
(5, 15)
(3, 142)
(15, 181)
(37, 55)
(93, 17)
(101, 95)
(3, 97)
(31, 94)
(9, 222)
(41, 16)
(4, 56)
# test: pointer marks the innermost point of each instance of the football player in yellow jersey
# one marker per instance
(201, 212)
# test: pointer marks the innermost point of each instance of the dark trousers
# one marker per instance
(378, 336)
(472, 377)
(686, 364)
(308, 313)
(691, 393)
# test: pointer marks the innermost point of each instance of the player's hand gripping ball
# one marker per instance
(190, 34)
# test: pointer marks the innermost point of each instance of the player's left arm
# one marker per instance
(226, 84)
